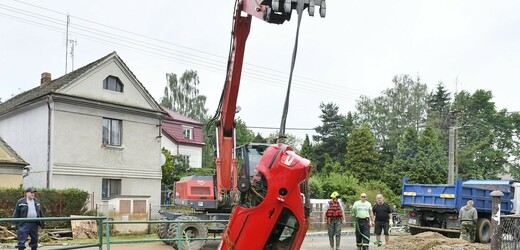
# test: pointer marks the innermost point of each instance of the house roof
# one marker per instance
(54, 85)
(50, 87)
(9, 156)
(172, 115)
(173, 127)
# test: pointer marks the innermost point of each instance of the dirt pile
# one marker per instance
(430, 241)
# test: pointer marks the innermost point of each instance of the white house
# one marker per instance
(96, 129)
(183, 136)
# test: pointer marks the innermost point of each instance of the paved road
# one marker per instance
(312, 242)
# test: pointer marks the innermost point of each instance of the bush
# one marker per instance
(55, 203)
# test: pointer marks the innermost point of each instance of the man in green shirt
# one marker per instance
(364, 217)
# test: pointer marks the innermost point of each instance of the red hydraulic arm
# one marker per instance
(272, 11)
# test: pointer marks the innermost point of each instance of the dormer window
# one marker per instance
(113, 83)
(187, 132)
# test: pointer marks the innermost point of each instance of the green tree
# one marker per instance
(243, 134)
(514, 164)
(432, 164)
(404, 161)
(175, 167)
(332, 135)
(362, 157)
(331, 166)
(484, 138)
(259, 139)
(398, 108)
(439, 104)
(182, 95)
(307, 150)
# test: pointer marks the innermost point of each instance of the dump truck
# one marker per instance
(435, 207)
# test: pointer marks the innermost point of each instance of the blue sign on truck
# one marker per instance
(435, 207)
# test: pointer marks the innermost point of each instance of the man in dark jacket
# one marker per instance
(28, 207)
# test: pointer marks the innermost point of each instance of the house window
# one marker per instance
(113, 83)
(112, 132)
(110, 187)
(188, 133)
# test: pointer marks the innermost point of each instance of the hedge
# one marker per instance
(55, 203)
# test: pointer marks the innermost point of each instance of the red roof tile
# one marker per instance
(173, 127)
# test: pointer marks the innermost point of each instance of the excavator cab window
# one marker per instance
(248, 157)
(284, 231)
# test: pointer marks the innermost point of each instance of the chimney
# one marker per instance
(46, 78)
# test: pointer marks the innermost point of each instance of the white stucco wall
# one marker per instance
(168, 144)
(91, 86)
(195, 153)
(29, 124)
(80, 156)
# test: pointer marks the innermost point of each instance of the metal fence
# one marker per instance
(100, 222)
(317, 220)
(509, 230)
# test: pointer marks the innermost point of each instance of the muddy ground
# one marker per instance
(430, 241)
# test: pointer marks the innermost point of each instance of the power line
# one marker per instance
(303, 80)
(256, 77)
(276, 128)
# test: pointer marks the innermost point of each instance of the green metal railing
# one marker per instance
(100, 221)
(179, 239)
(103, 222)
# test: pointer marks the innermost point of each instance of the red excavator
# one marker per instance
(267, 192)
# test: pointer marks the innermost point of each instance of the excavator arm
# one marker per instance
(271, 11)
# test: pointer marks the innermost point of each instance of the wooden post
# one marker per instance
(495, 220)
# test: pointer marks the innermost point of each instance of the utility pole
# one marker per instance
(452, 142)
(67, 43)
(451, 156)
(72, 44)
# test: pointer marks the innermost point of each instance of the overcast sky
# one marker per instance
(355, 50)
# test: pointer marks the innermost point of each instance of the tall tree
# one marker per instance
(432, 163)
(439, 104)
(332, 135)
(514, 163)
(483, 136)
(397, 109)
(362, 159)
(182, 95)
(243, 134)
(307, 149)
(404, 161)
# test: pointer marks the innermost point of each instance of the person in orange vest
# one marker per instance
(333, 212)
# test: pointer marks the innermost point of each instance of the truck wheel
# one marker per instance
(483, 230)
(162, 231)
(414, 231)
(189, 230)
